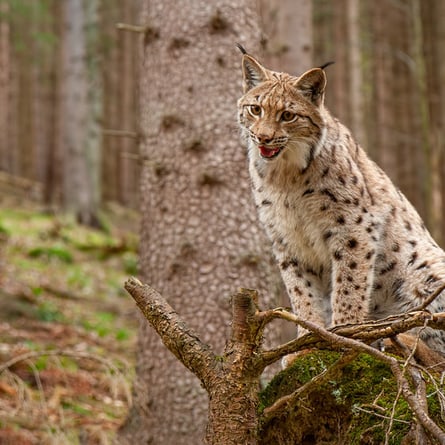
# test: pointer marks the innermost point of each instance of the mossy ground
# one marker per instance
(61, 289)
(354, 408)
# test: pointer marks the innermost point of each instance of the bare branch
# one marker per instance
(368, 411)
(367, 332)
(131, 28)
(430, 299)
(179, 339)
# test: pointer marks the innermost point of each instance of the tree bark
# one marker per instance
(200, 238)
(234, 392)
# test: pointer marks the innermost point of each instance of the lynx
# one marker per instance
(349, 245)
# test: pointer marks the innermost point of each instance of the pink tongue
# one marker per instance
(268, 152)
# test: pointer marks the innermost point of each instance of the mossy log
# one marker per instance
(359, 404)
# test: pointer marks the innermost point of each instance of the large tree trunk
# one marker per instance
(200, 238)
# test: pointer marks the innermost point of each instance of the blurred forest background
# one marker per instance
(387, 84)
(70, 142)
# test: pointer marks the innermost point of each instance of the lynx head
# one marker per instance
(280, 115)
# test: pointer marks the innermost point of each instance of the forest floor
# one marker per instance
(67, 328)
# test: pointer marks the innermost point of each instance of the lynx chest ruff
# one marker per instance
(286, 215)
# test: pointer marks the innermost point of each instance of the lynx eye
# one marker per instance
(288, 116)
(254, 110)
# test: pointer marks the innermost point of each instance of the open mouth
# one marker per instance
(269, 152)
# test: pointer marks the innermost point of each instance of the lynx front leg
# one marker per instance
(305, 292)
(352, 281)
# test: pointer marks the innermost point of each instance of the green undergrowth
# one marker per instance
(353, 408)
(61, 289)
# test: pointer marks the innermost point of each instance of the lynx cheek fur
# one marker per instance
(349, 244)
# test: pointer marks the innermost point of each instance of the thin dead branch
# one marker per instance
(131, 28)
(430, 299)
(367, 332)
(381, 416)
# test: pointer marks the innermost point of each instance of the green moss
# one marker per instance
(354, 408)
(48, 311)
(130, 261)
(300, 372)
(51, 252)
(4, 230)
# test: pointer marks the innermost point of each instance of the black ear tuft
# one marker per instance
(325, 65)
(241, 48)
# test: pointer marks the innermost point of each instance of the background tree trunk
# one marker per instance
(52, 176)
(287, 26)
(429, 65)
(121, 169)
(4, 85)
(93, 141)
(355, 95)
(200, 238)
(78, 192)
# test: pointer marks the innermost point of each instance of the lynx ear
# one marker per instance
(312, 85)
(253, 73)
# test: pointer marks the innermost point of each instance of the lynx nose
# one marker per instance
(264, 138)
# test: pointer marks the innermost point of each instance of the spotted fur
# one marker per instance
(349, 244)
